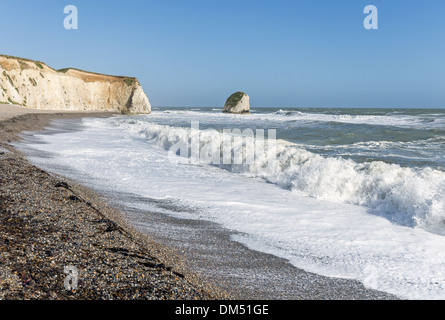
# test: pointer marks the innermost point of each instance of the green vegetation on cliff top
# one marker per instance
(128, 80)
(235, 98)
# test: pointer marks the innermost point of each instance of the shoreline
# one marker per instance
(48, 222)
(220, 280)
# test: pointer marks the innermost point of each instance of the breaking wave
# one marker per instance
(413, 197)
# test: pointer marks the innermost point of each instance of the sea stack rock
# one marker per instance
(32, 84)
(238, 102)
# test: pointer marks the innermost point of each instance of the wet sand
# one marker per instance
(194, 259)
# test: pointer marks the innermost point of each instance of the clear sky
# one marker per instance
(311, 53)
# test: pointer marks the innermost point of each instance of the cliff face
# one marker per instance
(34, 85)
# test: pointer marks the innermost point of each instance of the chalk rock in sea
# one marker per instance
(239, 102)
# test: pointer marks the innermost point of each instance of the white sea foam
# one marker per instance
(327, 215)
(393, 119)
(407, 196)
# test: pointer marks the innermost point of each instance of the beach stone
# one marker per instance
(239, 102)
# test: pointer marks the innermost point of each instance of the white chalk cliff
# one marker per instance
(34, 85)
(239, 102)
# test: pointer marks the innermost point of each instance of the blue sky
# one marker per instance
(312, 53)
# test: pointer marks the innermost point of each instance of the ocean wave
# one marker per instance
(423, 121)
(434, 143)
(288, 113)
(413, 197)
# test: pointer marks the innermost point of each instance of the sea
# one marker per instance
(350, 193)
